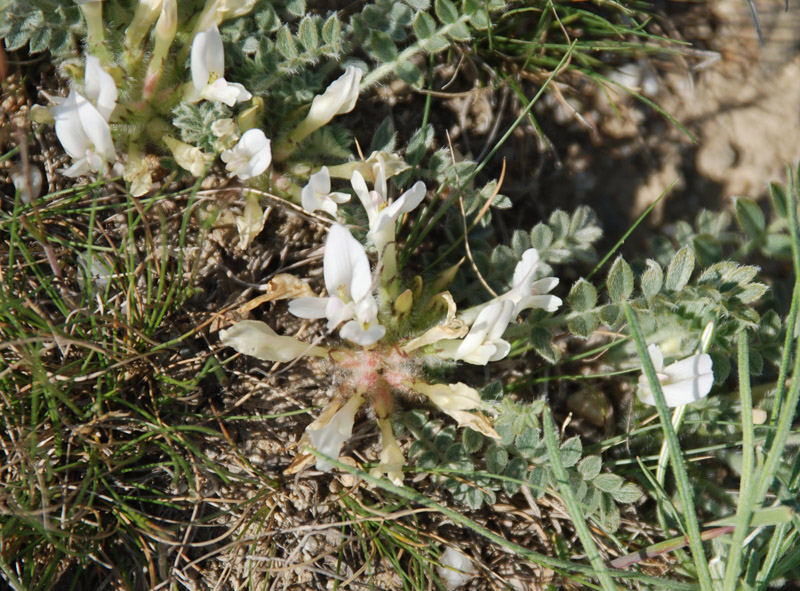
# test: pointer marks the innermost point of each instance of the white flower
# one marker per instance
(84, 133)
(188, 157)
(339, 98)
(484, 342)
(317, 193)
(208, 69)
(329, 438)
(525, 293)
(456, 569)
(250, 157)
(258, 340)
(383, 215)
(682, 382)
(349, 284)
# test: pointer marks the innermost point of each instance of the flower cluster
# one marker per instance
(88, 123)
(382, 352)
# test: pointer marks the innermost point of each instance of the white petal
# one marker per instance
(345, 265)
(340, 97)
(100, 87)
(69, 128)
(656, 357)
(489, 319)
(308, 307)
(526, 269)
(456, 569)
(450, 396)
(200, 66)
(409, 200)
(329, 438)
(690, 367)
(97, 130)
(357, 333)
(688, 391)
(365, 196)
(258, 340)
(548, 303)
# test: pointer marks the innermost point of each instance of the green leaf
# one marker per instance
(419, 4)
(296, 7)
(424, 26)
(541, 236)
(382, 46)
(446, 11)
(410, 74)
(537, 480)
(459, 32)
(583, 325)
(611, 314)
(627, 493)
(571, 451)
(608, 482)
(435, 44)
(307, 32)
(479, 19)
(332, 33)
(472, 440)
(752, 292)
(285, 43)
(749, 217)
(542, 341)
(609, 513)
(620, 281)
(384, 137)
(680, 269)
(419, 144)
(496, 459)
(583, 296)
(589, 467)
(780, 201)
(40, 40)
(517, 468)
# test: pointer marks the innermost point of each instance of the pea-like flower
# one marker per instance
(317, 194)
(682, 382)
(329, 437)
(349, 283)
(250, 157)
(208, 70)
(257, 339)
(84, 133)
(525, 292)
(484, 342)
(339, 98)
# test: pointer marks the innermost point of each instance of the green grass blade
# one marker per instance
(678, 464)
(578, 519)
